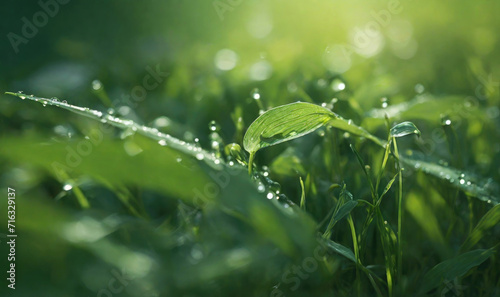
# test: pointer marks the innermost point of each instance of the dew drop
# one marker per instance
(255, 94)
(445, 121)
(162, 142)
(67, 187)
(462, 181)
(384, 101)
(270, 195)
(261, 188)
(96, 85)
(200, 156)
(213, 126)
(265, 171)
(337, 85)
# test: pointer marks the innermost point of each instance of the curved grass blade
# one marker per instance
(456, 267)
(403, 129)
(153, 133)
(343, 211)
(488, 221)
(465, 181)
(348, 126)
(294, 120)
(340, 249)
(285, 123)
(155, 168)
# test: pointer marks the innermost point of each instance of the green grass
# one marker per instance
(382, 181)
(369, 245)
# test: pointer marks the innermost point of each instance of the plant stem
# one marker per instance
(400, 214)
(356, 252)
(250, 163)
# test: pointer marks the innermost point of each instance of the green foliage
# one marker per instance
(152, 182)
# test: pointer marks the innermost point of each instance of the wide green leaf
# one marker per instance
(455, 267)
(293, 120)
(403, 129)
(285, 123)
(155, 167)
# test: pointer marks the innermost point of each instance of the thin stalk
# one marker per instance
(356, 252)
(400, 214)
(372, 280)
(250, 163)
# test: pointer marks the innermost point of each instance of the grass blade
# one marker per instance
(455, 267)
(403, 129)
(488, 221)
(293, 120)
(153, 133)
(465, 181)
(284, 123)
(341, 250)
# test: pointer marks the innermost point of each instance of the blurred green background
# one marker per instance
(423, 61)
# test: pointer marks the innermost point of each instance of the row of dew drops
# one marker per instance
(233, 152)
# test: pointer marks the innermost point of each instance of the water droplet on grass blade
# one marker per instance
(384, 101)
(260, 187)
(337, 85)
(96, 85)
(213, 126)
(255, 94)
